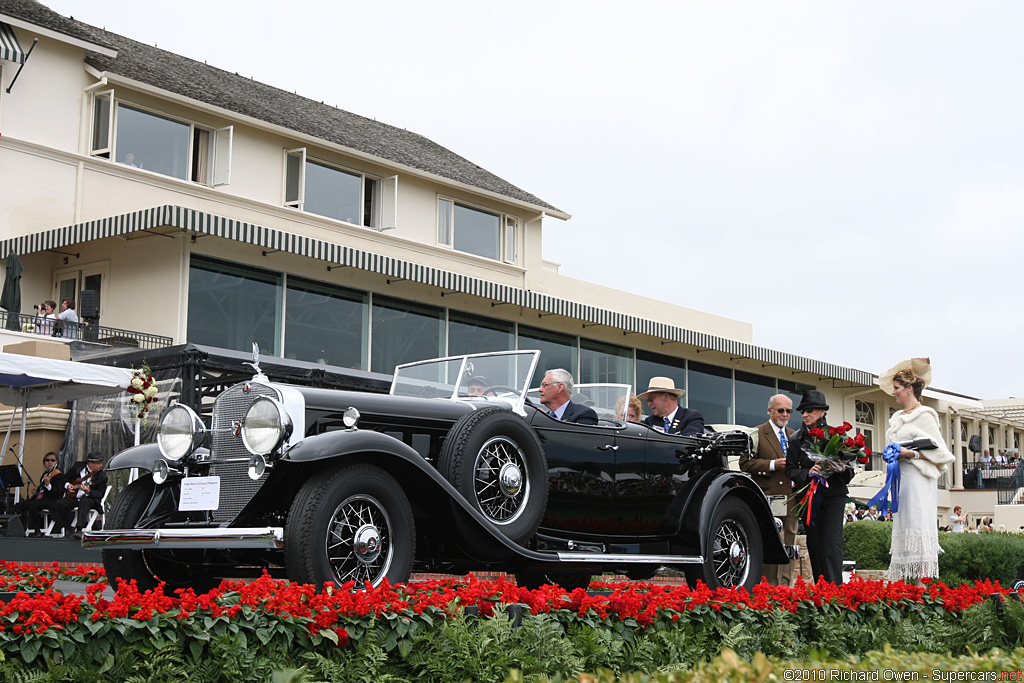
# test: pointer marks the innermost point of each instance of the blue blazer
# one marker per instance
(686, 422)
(583, 415)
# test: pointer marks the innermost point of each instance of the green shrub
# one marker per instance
(967, 557)
(990, 555)
(867, 543)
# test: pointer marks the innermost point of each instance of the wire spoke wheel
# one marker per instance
(499, 480)
(359, 540)
(730, 554)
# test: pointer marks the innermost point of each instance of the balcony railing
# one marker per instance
(1000, 476)
(96, 334)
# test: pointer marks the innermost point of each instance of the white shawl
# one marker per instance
(923, 422)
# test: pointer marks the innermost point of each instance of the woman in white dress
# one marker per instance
(915, 537)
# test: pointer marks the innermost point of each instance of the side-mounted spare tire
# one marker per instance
(495, 460)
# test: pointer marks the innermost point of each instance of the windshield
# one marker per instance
(502, 376)
(607, 400)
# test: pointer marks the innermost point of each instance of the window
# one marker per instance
(144, 139)
(345, 195)
(709, 390)
(752, 394)
(864, 412)
(475, 231)
(326, 324)
(556, 350)
(605, 363)
(473, 334)
(232, 306)
(404, 332)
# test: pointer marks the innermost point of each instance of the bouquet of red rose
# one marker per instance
(834, 446)
(142, 391)
(827, 448)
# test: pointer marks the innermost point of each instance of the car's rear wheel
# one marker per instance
(496, 462)
(350, 524)
(734, 555)
(148, 567)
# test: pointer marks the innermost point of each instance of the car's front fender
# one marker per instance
(348, 441)
(142, 457)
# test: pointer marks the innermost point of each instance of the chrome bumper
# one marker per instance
(268, 538)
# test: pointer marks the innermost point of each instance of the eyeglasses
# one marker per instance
(548, 384)
(783, 410)
(50, 460)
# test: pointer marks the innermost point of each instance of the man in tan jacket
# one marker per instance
(767, 465)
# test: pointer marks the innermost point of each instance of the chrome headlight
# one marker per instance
(181, 432)
(266, 426)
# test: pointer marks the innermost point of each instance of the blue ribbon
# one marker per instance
(891, 489)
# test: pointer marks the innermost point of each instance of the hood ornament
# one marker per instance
(255, 364)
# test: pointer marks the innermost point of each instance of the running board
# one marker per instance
(621, 558)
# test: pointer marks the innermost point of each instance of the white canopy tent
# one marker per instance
(27, 381)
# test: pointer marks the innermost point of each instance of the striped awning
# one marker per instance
(270, 238)
(10, 48)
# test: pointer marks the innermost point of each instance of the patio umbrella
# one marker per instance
(11, 297)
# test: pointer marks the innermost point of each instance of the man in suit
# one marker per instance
(555, 390)
(767, 465)
(671, 418)
(825, 533)
(84, 488)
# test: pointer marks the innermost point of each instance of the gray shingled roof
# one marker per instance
(189, 78)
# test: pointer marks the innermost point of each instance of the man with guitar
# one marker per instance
(50, 489)
(84, 488)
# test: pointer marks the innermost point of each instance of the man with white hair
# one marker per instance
(555, 390)
(767, 465)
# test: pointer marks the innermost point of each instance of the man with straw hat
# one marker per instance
(663, 398)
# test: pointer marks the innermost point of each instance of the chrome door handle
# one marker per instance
(608, 447)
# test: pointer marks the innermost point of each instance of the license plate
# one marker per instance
(199, 493)
(778, 505)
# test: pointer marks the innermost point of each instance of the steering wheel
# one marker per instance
(501, 389)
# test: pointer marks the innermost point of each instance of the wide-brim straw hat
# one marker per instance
(921, 368)
(661, 384)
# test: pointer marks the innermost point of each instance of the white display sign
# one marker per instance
(199, 493)
(779, 505)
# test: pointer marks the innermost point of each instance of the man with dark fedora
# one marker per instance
(670, 417)
(825, 530)
(84, 487)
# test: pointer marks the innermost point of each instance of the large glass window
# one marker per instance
(331, 191)
(709, 390)
(474, 334)
(752, 394)
(231, 306)
(650, 365)
(404, 332)
(475, 231)
(152, 142)
(556, 350)
(605, 363)
(325, 324)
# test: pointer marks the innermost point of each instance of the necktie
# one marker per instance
(668, 423)
(783, 440)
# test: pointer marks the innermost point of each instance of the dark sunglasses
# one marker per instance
(783, 410)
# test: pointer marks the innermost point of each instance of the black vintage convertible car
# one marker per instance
(334, 486)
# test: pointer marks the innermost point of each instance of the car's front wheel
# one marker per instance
(353, 523)
(734, 555)
(148, 567)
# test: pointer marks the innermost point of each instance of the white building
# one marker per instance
(196, 205)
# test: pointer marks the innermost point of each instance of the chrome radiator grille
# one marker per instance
(230, 458)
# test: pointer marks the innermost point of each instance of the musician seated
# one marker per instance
(50, 489)
(84, 489)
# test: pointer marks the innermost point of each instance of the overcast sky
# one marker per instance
(846, 176)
